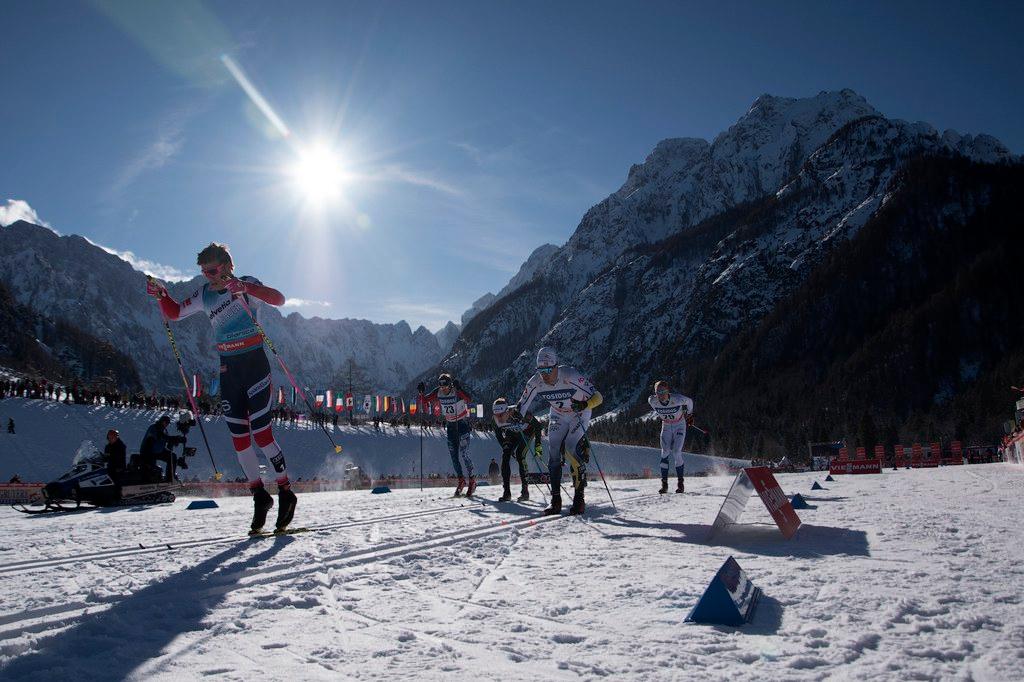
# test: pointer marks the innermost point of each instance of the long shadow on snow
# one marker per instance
(810, 542)
(488, 509)
(110, 644)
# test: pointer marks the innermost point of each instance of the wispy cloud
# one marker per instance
(430, 315)
(18, 209)
(168, 143)
(304, 303)
(398, 173)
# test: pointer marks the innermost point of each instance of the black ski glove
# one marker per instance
(579, 405)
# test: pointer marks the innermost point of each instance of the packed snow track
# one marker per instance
(909, 574)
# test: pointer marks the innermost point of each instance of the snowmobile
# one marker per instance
(90, 484)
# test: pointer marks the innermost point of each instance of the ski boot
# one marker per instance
(286, 500)
(524, 496)
(679, 486)
(578, 505)
(506, 496)
(664, 485)
(261, 502)
(556, 505)
(472, 487)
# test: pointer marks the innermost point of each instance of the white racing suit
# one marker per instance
(566, 429)
(673, 429)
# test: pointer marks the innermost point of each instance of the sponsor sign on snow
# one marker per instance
(762, 481)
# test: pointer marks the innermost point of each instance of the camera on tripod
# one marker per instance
(184, 423)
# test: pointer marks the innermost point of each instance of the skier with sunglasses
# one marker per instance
(514, 435)
(245, 385)
(571, 398)
(454, 404)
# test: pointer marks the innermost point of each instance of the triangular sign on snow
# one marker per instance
(761, 480)
(729, 600)
(816, 486)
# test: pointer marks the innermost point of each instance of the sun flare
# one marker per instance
(318, 174)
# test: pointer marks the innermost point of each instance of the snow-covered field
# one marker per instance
(905, 575)
(48, 433)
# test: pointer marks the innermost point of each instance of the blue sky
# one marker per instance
(466, 133)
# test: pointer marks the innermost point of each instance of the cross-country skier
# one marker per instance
(455, 410)
(514, 435)
(675, 411)
(571, 398)
(245, 386)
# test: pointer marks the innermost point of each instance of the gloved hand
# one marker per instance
(236, 286)
(578, 405)
(155, 289)
(689, 419)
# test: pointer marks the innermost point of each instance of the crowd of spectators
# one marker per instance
(80, 395)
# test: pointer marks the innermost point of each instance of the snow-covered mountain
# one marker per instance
(701, 238)
(446, 336)
(69, 278)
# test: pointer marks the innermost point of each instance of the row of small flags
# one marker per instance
(328, 399)
(371, 404)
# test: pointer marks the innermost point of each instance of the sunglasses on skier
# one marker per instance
(212, 272)
(663, 391)
(546, 370)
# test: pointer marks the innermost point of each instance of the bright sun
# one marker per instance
(318, 175)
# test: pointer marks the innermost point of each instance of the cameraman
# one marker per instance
(157, 444)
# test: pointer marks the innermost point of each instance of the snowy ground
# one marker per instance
(908, 575)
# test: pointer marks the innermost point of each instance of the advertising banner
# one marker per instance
(856, 466)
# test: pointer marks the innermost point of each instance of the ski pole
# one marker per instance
(526, 444)
(594, 455)
(295, 385)
(188, 393)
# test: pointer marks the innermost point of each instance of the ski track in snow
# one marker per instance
(907, 575)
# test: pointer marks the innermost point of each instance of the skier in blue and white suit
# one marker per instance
(571, 398)
(675, 411)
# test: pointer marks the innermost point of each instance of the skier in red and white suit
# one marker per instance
(246, 391)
